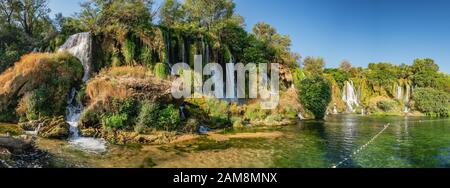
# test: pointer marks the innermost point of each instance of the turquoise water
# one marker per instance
(407, 142)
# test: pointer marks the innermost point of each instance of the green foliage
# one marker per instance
(122, 114)
(129, 51)
(212, 112)
(314, 65)
(254, 112)
(161, 70)
(382, 74)
(115, 121)
(151, 115)
(425, 73)
(169, 118)
(386, 105)
(315, 94)
(432, 102)
(298, 76)
(339, 76)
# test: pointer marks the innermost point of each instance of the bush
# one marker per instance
(115, 121)
(315, 94)
(161, 70)
(148, 116)
(432, 102)
(34, 81)
(169, 118)
(129, 51)
(386, 105)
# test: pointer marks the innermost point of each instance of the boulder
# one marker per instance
(55, 128)
(17, 144)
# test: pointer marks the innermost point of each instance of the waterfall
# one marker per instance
(299, 115)
(80, 46)
(335, 111)
(407, 97)
(399, 92)
(349, 96)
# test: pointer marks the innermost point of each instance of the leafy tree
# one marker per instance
(382, 74)
(314, 65)
(425, 73)
(208, 13)
(171, 12)
(315, 94)
(432, 102)
(339, 76)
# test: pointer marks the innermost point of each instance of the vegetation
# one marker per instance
(315, 93)
(36, 79)
(432, 102)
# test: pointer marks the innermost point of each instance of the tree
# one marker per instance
(432, 102)
(171, 12)
(345, 66)
(314, 65)
(30, 13)
(279, 44)
(425, 73)
(315, 94)
(208, 13)
(7, 9)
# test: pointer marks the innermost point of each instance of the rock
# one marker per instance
(203, 130)
(56, 128)
(4, 154)
(17, 145)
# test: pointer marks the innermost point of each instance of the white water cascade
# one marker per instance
(407, 98)
(80, 46)
(399, 92)
(349, 96)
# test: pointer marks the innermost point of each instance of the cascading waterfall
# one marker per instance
(80, 46)
(349, 96)
(407, 98)
(335, 111)
(399, 92)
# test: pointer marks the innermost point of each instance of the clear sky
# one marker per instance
(361, 31)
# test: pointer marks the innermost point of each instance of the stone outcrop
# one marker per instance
(55, 128)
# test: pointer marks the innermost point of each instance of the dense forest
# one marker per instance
(134, 43)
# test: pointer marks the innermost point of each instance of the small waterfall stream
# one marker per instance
(349, 96)
(80, 46)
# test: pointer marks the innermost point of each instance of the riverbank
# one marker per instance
(408, 142)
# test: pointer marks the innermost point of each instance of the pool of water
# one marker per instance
(408, 142)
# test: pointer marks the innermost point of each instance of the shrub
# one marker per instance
(148, 116)
(432, 102)
(169, 118)
(115, 121)
(315, 94)
(129, 51)
(161, 70)
(37, 79)
(386, 105)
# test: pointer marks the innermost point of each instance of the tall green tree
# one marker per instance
(171, 12)
(315, 94)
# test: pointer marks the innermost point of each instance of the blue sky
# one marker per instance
(361, 31)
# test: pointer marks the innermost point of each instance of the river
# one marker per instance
(408, 142)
